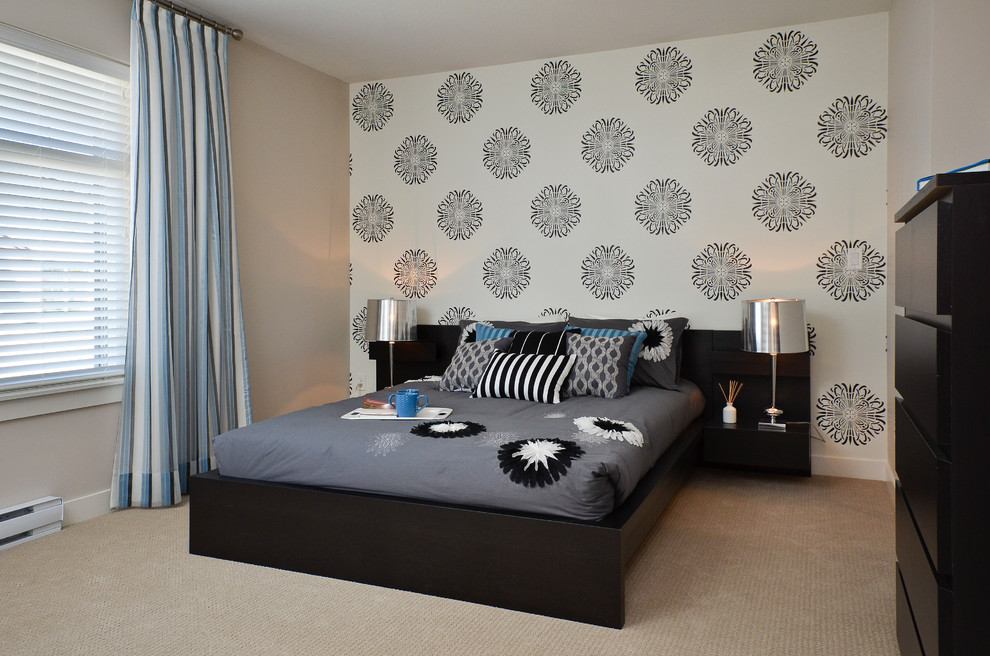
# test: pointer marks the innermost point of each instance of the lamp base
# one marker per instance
(774, 412)
(772, 425)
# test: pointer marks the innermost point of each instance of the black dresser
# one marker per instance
(942, 441)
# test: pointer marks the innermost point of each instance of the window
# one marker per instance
(64, 215)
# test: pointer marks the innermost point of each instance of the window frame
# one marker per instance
(34, 399)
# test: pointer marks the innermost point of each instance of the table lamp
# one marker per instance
(774, 325)
(391, 320)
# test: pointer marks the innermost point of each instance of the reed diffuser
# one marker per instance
(729, 411)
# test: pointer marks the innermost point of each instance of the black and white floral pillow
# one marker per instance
(659, 360)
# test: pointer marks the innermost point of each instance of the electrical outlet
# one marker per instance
(360, 384)
(854, 257)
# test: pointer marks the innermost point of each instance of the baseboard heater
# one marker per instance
(30, 520)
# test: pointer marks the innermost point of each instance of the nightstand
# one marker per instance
(744, 446)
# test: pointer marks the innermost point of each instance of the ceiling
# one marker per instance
(362, 40)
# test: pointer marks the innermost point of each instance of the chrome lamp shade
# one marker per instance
(774, 325)
(391, 320)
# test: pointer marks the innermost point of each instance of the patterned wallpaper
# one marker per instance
(668, 180)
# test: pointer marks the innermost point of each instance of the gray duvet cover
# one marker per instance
(579, 458)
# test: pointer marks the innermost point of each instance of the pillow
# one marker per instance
(469, 326)
(524, 376)
(601, 365)
(544, 343)
(483, 332)
(659, 362)
(612, 332)
(468, 363)
(469, 331)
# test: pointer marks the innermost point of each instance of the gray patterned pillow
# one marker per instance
(601, 367)
(469, 362)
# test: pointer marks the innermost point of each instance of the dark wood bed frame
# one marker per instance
(463, 552)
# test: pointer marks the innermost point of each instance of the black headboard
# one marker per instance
(708, 357)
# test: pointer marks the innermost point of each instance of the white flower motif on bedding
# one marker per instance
(554, 415)
(538, 462)
(659, 339)
(385, 443)
(588, 438)
(448, 428)
(497, 438)
(611, 429)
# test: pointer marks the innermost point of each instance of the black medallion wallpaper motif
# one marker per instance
(852, 126)
(372, 218)
(559, 313)
(556, 87)
(784, 201)
(607, 272)
(555, 211)
(454, 315)
(459, 214)
(721, 271)
(538, 463)
(663, 206)
(372, 107)
(506, 153)
(697, 183)
(850, 414)
(663, 75)
(722, 136)
(459, 98)
(415, 273)
(415, 159)
(607, 145)
(851, 271)
(785, 61)
(358, 325)
(506, 273)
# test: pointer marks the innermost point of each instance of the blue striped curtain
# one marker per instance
(186, 377)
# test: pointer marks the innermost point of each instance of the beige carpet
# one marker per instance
(740, 564)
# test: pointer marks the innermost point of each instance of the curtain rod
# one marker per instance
(235, 33)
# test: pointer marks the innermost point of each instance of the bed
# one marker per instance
(460, 550)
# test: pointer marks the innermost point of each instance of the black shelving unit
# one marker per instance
(942, 450)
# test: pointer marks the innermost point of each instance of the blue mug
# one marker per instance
(406, 402)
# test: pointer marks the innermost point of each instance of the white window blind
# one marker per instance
(64, 220)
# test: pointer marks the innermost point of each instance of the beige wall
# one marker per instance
(290, 146)
(939, 91)
(67, 454)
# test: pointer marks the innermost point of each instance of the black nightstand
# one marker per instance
(745, 446)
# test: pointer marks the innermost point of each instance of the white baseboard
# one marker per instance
(87, 507)
(873, 470)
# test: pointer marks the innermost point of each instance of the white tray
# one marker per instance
(426, 413)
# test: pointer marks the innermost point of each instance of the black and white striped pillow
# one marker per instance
(524, 376)
(538, 341)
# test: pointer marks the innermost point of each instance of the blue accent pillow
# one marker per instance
(483, 331)
(613, 332)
